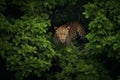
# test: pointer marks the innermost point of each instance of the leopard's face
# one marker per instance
(62, 33)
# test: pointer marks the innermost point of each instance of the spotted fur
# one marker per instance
(67, 32)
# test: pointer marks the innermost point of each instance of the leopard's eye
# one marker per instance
(64, 34)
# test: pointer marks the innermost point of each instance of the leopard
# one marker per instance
(69, 31)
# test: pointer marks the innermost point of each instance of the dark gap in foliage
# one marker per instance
(5, 74)
(111, 64)
(34, 77)
(55, 65)
(55, 68)
(12, 10)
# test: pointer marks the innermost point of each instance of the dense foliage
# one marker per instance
(28, 52)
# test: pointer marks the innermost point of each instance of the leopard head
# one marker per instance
(62, 32)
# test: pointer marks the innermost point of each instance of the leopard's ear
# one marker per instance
(68, 27)
(55, 28)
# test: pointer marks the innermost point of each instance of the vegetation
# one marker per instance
(27, 51)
